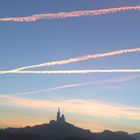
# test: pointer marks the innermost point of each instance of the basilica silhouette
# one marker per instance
(60, 118)
(59, 129)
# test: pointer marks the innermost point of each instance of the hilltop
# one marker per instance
(59, 129)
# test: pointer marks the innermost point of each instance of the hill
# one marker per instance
(136, 135)
(61, 130)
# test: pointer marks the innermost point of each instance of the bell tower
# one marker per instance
(58, 115)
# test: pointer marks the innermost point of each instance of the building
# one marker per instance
(60, 118)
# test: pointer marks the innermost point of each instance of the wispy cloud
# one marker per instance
(72, 60)
(62, 15)
(99, 126)
(87, 107)
(108, 81)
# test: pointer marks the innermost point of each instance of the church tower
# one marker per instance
(58, 115)
(60, 118)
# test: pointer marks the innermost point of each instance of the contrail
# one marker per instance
(72, 60)
(112, 80)
(78, 71)
(62, 15)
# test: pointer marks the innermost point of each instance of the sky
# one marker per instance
(96, 101)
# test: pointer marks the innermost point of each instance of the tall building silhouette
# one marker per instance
(58, 115)
(60, 118)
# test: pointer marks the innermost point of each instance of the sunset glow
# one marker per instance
(80, 57)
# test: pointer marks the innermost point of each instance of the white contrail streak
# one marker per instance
(78, 71)
(62, 15)
(77, 59)
(113, 80)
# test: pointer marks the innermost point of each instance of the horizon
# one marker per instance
(82, 56)
(65, 121)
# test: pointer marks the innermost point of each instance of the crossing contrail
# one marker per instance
(72, 60)
(62, 15)
(79, 71)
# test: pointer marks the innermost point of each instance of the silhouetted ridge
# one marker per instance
(59, 129)
(109, 135)
(136, 135)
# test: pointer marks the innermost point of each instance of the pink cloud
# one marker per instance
(61, 15)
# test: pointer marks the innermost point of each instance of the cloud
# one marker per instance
(62, 15)
(99, 126)
(86, 107)
(108, 81)
(72, 60)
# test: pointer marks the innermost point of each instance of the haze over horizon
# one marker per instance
(81, 61)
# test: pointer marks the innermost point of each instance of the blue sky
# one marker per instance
(31, 43)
